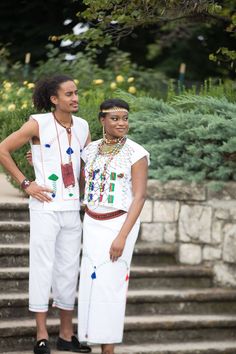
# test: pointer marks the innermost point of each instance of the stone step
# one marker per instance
(19, 334)
(17, 254)
(14, 255)
(16, 279)
(205, 347)
(181, 301)
(144, 302)
(173, 276)
(14, 211)
(12, 232)
(150, 253)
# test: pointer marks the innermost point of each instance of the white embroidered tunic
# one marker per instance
(47, 161)
(117, 190)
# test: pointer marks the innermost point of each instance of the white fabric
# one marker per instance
(118, 175)
(47, 161)
(55, 245)
(102, 301)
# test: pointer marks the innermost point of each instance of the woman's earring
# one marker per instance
(103, 133)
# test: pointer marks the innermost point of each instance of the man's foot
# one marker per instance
(73, 346)
(42, 347)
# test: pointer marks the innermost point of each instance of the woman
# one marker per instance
(116, 176)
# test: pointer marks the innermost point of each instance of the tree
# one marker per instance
(168, 21)
(25, 26)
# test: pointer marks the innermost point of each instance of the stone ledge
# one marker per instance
(176, 190)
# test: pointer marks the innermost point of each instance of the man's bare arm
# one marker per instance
(13, 142)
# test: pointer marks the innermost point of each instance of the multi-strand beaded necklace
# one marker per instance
(92, 174)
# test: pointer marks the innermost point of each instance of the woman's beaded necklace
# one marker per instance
(92, 174)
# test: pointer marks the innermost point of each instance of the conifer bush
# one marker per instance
(10, 122)
(192, 138)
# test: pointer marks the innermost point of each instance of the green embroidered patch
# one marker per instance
(110, 198)
(113, 176)
(112, 187)
(53, 177)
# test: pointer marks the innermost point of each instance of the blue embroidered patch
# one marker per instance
(69, 151)
(93, 275)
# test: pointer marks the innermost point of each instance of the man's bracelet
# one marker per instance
(25, 184)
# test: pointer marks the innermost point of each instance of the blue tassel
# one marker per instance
(93, 275)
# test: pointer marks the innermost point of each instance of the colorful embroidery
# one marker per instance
(113, 176)
(110, 199)
(112, 187)
(53, 178)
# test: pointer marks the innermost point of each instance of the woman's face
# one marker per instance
(116, 124)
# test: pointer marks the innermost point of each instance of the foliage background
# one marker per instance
(186, 121)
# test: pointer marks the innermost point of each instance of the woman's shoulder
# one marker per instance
(131, 143)
(136, 150)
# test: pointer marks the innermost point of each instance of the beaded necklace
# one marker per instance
(68, 129)
(92, 173)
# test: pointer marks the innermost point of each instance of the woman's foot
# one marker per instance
(108, 348)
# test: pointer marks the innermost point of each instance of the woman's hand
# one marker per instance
(38, 192)
(117, 248)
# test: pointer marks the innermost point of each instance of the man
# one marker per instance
(57, 139)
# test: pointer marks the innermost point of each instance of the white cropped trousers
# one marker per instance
(55, 245)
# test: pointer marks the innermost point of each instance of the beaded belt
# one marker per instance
(104, 216)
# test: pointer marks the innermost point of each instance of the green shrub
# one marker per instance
(190, 138)
(10, 122)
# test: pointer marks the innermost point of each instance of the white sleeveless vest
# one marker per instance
(47, 161)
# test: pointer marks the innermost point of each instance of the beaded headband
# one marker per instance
(115, 109)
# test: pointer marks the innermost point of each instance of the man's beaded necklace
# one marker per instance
(111, 152)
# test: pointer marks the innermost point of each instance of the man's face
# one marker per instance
(67, 97)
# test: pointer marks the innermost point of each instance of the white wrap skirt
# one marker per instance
(103, 284)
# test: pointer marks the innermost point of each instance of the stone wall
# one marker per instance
(200, 221)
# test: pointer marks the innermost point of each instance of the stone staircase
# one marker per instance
(171, 309)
